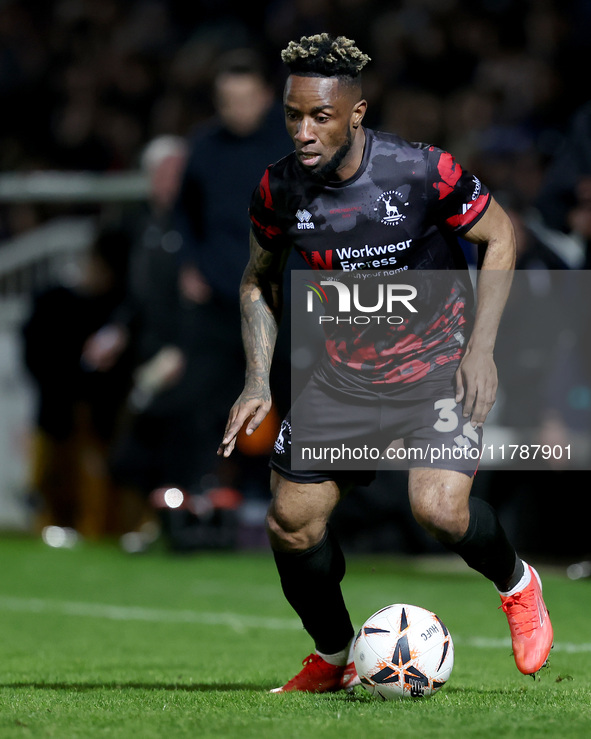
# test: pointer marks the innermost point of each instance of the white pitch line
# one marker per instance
(481, 642)
(235, 621)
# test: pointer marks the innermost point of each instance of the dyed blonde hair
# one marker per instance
(324, 56)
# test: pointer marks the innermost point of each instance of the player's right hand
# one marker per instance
(252, 403)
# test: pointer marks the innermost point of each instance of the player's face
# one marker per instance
(322, 116)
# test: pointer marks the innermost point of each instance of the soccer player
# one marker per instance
(340, 166)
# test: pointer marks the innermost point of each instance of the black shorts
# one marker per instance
(332, 435)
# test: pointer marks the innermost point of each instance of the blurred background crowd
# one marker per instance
(136, 358)
(86, 83)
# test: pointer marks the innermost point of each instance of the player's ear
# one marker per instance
(358, 113)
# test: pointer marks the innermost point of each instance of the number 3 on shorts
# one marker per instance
(448, 419)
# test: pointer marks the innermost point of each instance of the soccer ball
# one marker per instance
(403, 651)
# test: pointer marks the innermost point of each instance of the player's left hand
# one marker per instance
(476, 385)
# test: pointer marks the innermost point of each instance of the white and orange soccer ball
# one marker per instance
(403, 651)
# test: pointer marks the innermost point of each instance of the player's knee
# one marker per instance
(287, 536)
(279, 537)
(446, 523)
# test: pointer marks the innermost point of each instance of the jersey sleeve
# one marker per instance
(458, 198)
(263, 217)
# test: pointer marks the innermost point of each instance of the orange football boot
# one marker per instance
(529, 622)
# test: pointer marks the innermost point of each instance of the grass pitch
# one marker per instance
(96, 643)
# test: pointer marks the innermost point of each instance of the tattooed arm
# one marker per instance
(261, 302)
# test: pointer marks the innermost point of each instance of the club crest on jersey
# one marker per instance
(388, 207)
(283, 438)
(305, 219)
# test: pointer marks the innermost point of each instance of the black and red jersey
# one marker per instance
(404, 209)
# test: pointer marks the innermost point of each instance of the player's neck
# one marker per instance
(353, 161)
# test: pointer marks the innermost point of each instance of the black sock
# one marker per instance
(486, 549)
(311, 583)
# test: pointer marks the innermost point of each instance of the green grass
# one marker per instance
(99, 644)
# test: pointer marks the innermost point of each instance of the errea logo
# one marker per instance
(304, 217)
(475, 195)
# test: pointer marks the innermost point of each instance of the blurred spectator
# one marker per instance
(225, 155)
(149, 302)
(161, 436)
(77, 410)
(565, 196)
